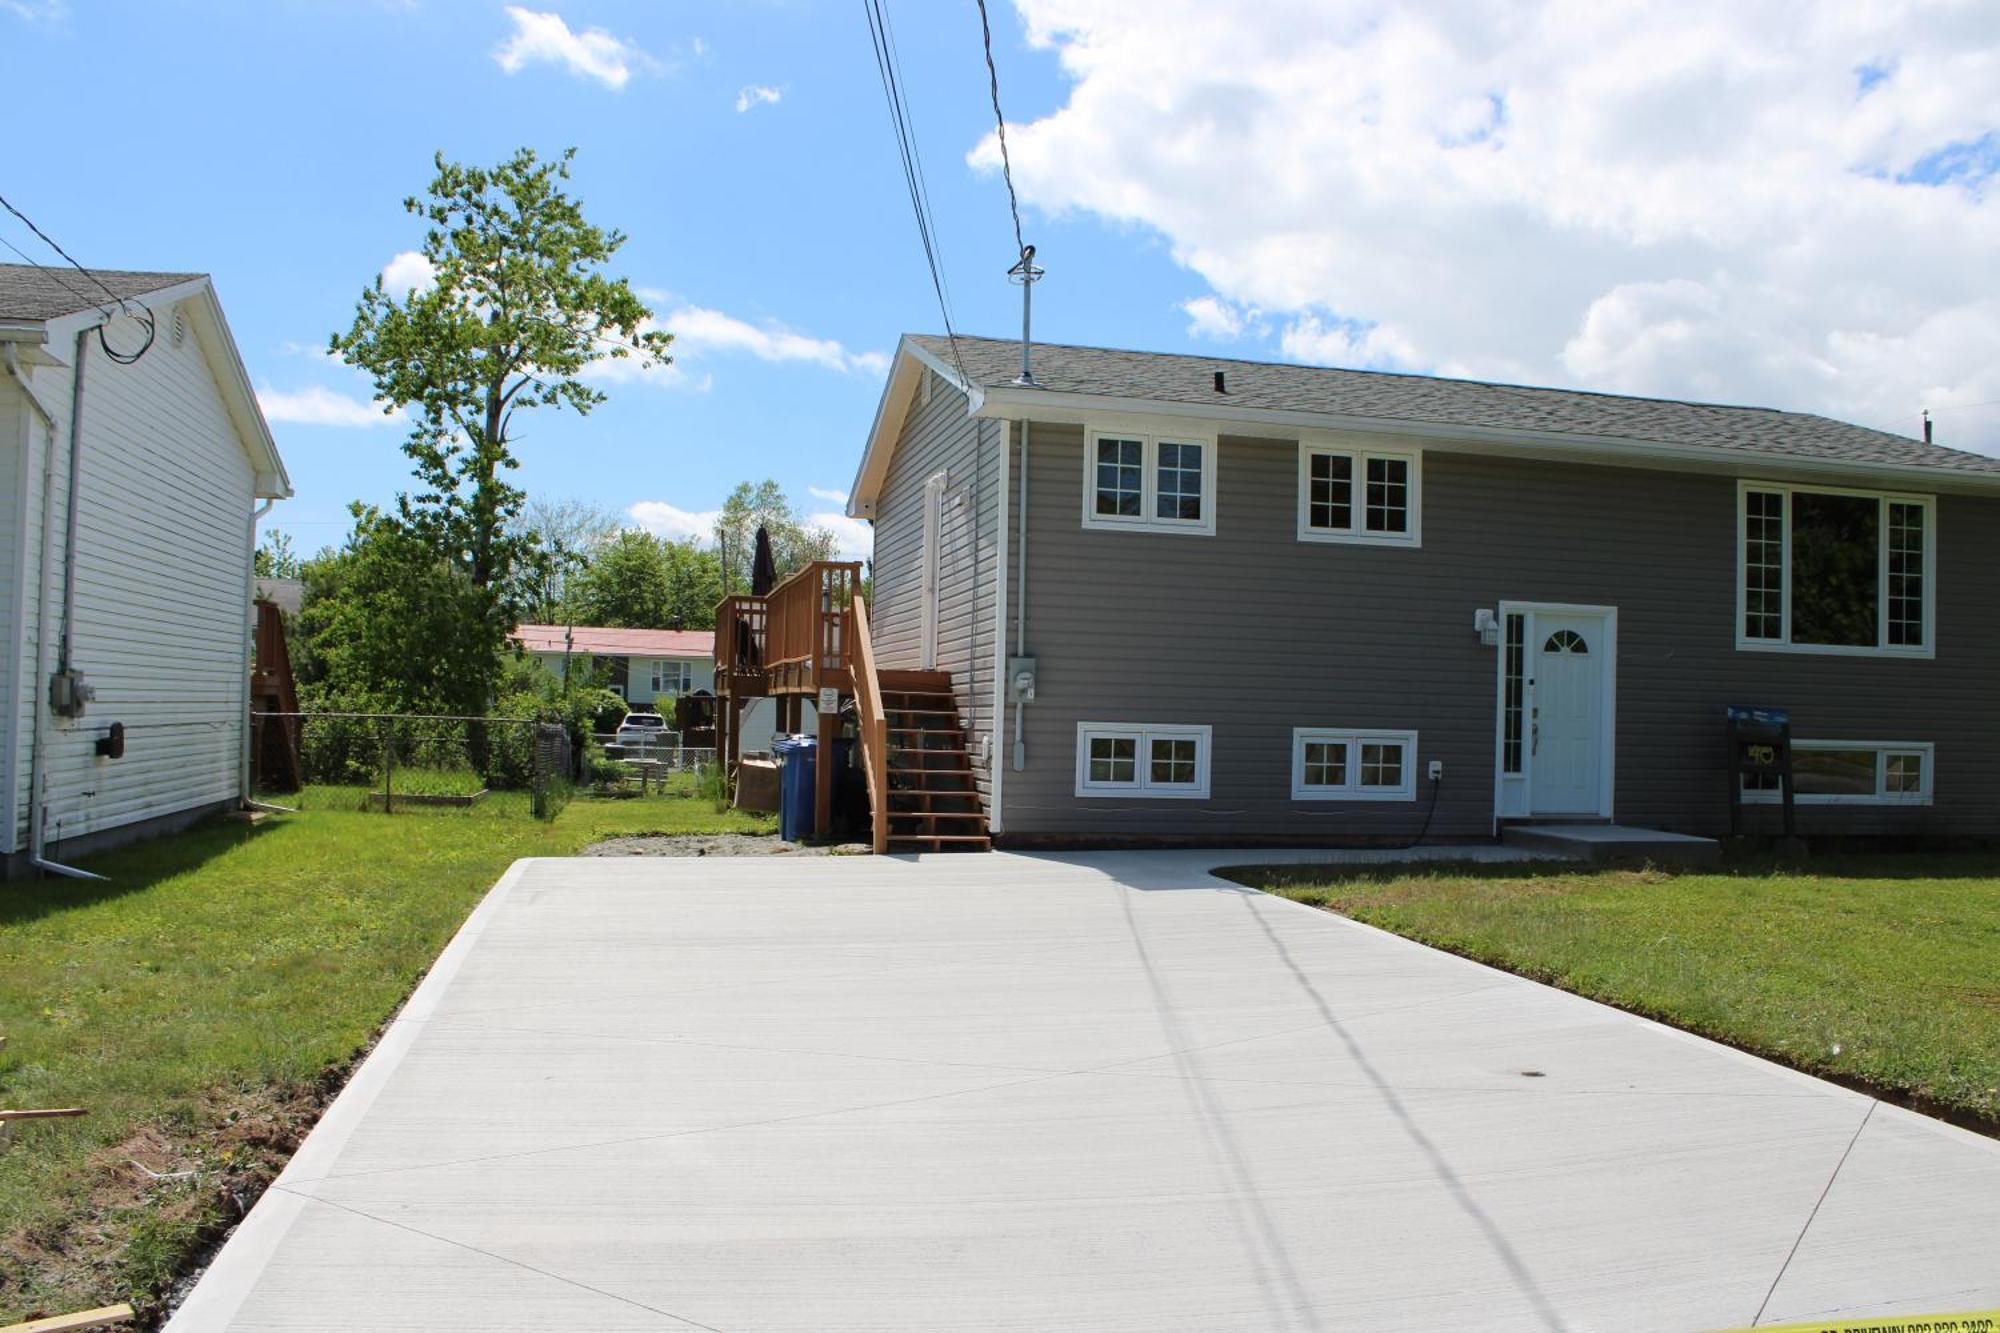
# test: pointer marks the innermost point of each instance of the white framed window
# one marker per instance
(1149, 479)
(1823, 570)
(670, 677)
(1346, 764)
(1852, 773)
(1141, 759)
(1370, 496)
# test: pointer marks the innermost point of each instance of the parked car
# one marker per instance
(640, 732)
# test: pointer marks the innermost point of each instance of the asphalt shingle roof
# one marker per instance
(28, 292)
(1181, 378)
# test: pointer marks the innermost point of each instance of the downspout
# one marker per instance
(1021, 598)
(75, 483)
(249, 636)
(37, 755)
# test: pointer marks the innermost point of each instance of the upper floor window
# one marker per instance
(1137, 479)
(1835, 571)
(673, 677)
(1359, 495)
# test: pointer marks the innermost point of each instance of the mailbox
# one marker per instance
(1760, 748)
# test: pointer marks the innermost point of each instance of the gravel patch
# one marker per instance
(718, 844)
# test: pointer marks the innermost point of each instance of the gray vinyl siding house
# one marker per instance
(1549, 596)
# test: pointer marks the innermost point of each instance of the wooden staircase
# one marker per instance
(932, 800)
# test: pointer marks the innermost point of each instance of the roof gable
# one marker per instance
(29, 292)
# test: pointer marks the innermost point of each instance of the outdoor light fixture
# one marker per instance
(1487, 626)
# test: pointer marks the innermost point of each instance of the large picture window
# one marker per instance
(673, 677)
(1835, 571)
(1141, 759)
(1340, 764)
(1359, 495)
(1137, 479)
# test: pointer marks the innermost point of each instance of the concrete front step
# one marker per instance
(1614, 842)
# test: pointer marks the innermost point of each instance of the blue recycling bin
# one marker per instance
(798, 778)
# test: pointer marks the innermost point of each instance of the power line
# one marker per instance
(1000, 123)
(144, 317)
(913, 179)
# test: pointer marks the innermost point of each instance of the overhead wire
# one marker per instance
(143, 315)
(883, 41)
(1000, 126)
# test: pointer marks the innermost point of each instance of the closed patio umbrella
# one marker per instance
(763, 565)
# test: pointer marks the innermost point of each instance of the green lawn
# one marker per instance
(1880, 970)
(202, 1003)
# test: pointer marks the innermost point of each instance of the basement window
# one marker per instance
(1137, 759)
(1852, 773)
(1341, 764)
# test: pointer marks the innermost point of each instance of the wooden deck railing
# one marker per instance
(741, 650)
(874, 726)
(797, 640)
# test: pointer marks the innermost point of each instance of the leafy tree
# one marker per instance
(564, 535)
(639, 581)
(518, 309)
(389, 625)
(275, 558)
(794, 542)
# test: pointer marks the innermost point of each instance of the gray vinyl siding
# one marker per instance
(1255, 633)
(940, 437)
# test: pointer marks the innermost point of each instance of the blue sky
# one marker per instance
(1632, 204)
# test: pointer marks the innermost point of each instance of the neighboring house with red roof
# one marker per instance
(642, 665)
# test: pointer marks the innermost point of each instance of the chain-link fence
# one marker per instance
(649, 762)
(409, 763)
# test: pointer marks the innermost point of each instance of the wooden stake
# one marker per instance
(53, 1113)
(101, 1317)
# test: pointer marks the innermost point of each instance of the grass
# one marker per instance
(204, 1002)
(1877, 971)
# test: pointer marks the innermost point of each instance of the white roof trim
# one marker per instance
(892, 413)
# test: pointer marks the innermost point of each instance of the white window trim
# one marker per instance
(1150, 438)
(1881, 647)
(1141, 785)
(1882, 796)
(1352, 790)
(1358, 534)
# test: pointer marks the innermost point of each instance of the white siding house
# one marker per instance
(151, 612)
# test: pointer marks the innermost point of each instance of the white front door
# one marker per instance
(933, 524)
(1569, 712)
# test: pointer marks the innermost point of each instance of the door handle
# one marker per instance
(1535, 738)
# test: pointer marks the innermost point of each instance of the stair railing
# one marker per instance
(874, 724)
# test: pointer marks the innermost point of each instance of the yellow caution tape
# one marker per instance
(1970, 1321)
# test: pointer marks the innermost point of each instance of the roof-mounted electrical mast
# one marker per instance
(1027, 275)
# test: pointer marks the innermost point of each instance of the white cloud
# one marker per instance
(408, 272)
(316, 405)
(36, 11)
(854, 539)
(1789, 204)
(1212, 318)
(665, 520)
(827, 494)
(541, 37)
(701, 333)
(758, 94)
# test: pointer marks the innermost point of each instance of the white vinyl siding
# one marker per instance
(161, 590)
(1340, 764)
(1149, 480)
(1827, 570)
(1136, 759)
(1370, 496)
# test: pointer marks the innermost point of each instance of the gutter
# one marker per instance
(38, 758)
(1012, 403)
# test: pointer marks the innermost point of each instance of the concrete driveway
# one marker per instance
(1100, 1092)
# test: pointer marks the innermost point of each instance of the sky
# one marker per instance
(1786, 204)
